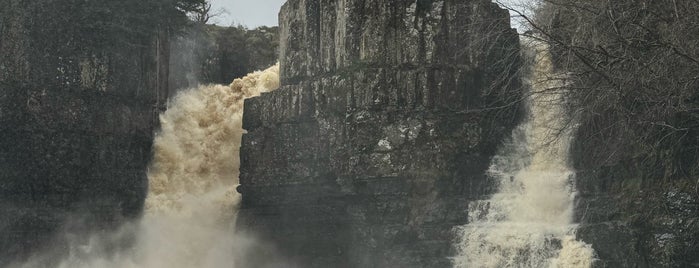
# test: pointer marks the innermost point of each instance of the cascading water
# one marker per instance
(528, 221)
(191, 203)
(194, 172)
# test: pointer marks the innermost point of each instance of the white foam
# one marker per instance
(191, 203)
(528, 221)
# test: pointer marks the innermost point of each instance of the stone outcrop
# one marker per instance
(77, 116)
(387, 118)
(637, 155)
(629, 213)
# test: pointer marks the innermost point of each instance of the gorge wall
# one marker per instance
(382, 130)
(628, 210)
(78, 107)
(636, 151)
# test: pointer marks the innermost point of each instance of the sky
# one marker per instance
(526, 7)
(251, 13)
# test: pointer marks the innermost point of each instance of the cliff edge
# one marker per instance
(387, 118)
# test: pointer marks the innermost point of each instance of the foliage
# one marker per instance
(215, 54)
(202, 13)
(634, 68)
(240, 51)
(133, 21)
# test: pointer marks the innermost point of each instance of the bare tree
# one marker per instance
(203, 13)
(634, 67)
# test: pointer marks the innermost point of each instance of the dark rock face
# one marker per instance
(630, 213)
(386, 121)
(637, 158)
(77, 123)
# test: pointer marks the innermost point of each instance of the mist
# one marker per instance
(191, 205)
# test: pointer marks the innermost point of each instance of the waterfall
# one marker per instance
(528, 222)
(191, 203)
(194, 172)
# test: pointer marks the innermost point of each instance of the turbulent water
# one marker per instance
(191, 203)
(528, 221)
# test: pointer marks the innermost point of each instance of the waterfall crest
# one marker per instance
(196, 152)
(194, 172)
(191, 204)
(528, 222)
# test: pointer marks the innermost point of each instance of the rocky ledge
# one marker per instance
(387, 118)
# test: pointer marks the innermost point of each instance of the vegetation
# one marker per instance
(633, 71)
(241, 51)
(202, 12)
(634, 68)
(115, 22)
(215, 54)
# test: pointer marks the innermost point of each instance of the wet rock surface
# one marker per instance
(386, 121)
(77, 121)
(631, 223)
(630, 213)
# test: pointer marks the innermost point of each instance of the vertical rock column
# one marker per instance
(387, 117)
(77, 121)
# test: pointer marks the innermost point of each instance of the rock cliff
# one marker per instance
(629, 211)
(77, 110)
(387, 118)
(636, 151)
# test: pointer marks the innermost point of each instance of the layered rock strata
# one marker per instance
(387, 118)
(629, 211)
(77, 119)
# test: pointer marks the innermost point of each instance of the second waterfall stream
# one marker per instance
(528, 222)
